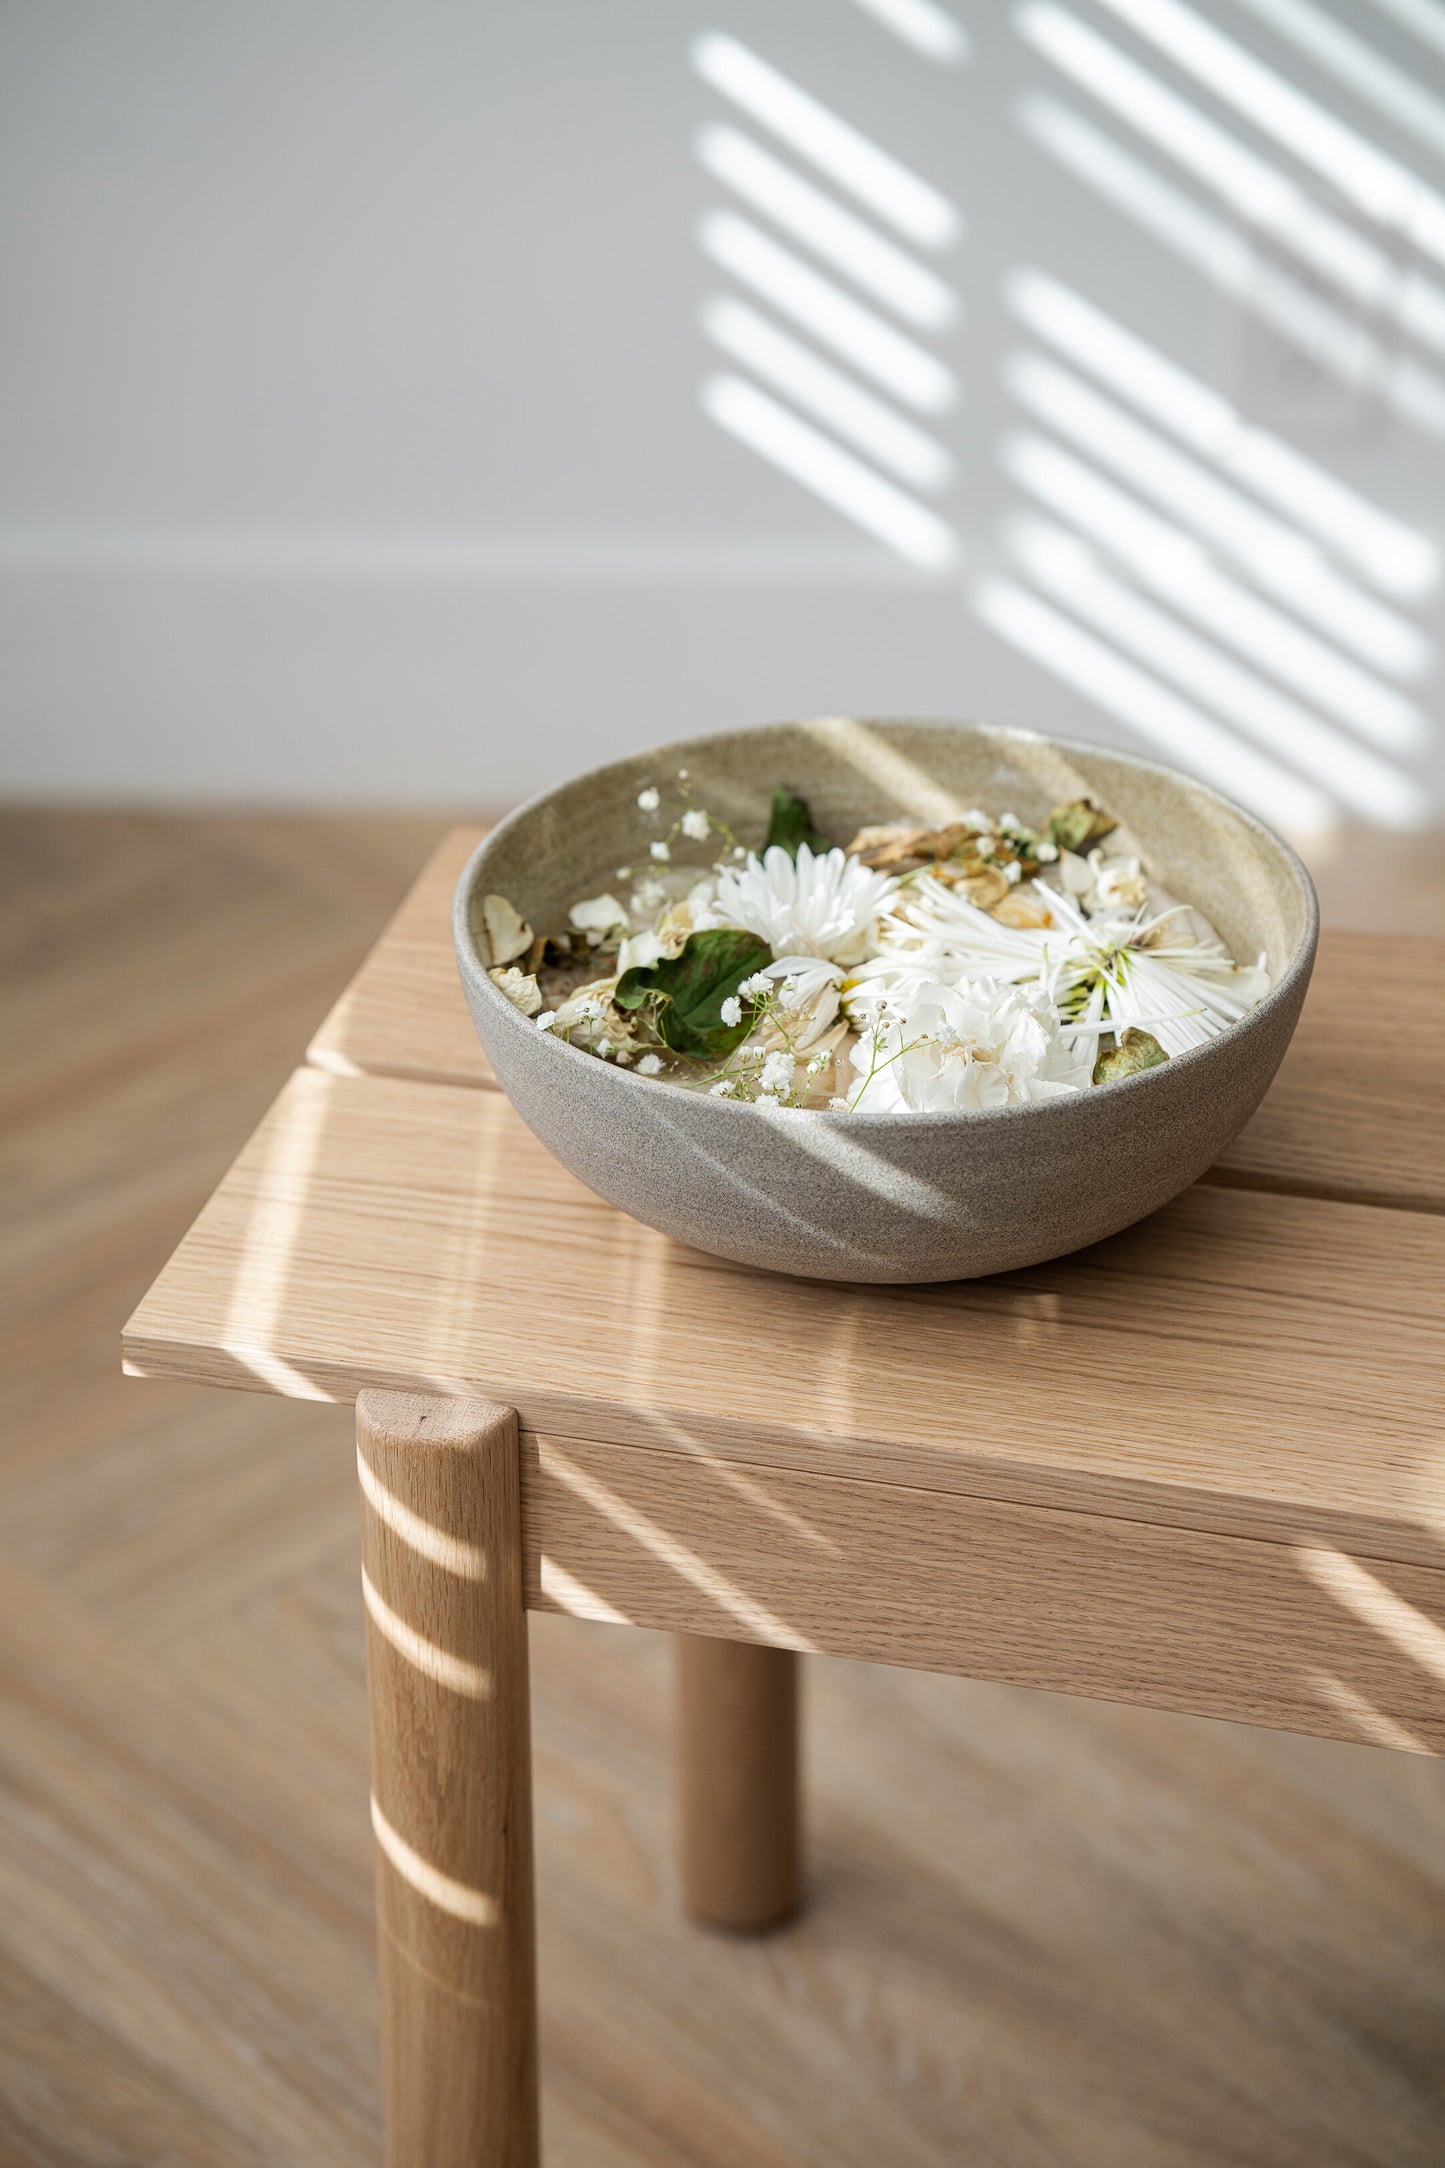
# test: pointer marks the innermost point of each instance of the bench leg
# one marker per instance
(737, 1708)
(446, 1664)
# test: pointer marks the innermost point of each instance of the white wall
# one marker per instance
(352, 445)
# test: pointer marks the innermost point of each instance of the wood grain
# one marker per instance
(1248, 1364)
(739, 1809)
(1332, 1125)
(1345, 1118)
(403, 1013)
(451, 1801)
(1301, 1637)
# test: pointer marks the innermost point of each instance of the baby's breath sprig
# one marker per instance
(693, 821)
(877, 1040)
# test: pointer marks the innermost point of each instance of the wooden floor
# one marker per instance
(1043, 1933)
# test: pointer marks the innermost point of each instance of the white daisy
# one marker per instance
(822, 906)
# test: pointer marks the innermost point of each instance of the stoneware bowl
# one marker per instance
(887, 1196)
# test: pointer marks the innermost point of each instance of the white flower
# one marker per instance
(1046, 853)
(1118, 886)
(838, 1106)
(776, 1074)
(597, 915)
(1013, 873)
(732, 1010)
(724, 1088)
(649, 800)
(823, 906)
(650, 895)
(660, 852)
(1158, 974)
(649, 1065)
(808, 990)
(547, 1021)
(975, 817)
(587, 1007)
(696, 824)
(988, 1044)
(1010, 823)
(757, 987)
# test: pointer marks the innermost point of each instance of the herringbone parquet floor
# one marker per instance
(1044, 1934)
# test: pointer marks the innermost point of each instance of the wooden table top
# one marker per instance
(1265, 1357)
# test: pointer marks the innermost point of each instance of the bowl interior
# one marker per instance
(571, 842)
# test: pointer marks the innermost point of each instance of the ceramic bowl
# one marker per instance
(888, 1196)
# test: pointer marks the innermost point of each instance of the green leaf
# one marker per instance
(1078, 826)
(791, 823)
(689, 989)
(1136, 1050)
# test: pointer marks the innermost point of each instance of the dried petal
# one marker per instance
(1021, 910)
(598, 916)
(519, 987)
(508, 933)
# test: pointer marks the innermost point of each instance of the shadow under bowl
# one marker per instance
(890, 1196)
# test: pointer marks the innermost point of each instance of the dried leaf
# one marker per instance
(1078, 825)
(687, 991)
(507, 932)
(899, 849)
(791, 823)
(1136, 1050)
(983, 886)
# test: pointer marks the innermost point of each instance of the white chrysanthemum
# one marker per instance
(1168, 974)
(823, 907)
(951, 1049)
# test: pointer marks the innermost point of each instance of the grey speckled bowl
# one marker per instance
(901, 1197)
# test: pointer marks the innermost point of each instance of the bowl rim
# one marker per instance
(1299, 966)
